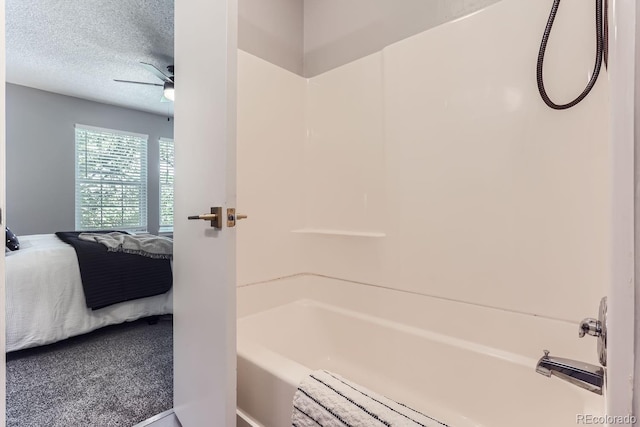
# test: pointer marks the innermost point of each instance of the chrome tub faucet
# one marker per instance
(584, 375)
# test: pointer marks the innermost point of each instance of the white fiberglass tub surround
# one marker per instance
(458, 381)
(433, 172)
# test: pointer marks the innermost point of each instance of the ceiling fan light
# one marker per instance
(169, 92)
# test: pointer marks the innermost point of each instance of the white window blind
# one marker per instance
(166, 184)
(111, 179)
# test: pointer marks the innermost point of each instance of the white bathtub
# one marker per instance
(458, 381)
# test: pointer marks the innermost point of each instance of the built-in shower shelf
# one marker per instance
(330, 232)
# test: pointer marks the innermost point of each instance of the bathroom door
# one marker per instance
(204, 260)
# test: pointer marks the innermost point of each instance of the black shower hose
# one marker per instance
(600, 53)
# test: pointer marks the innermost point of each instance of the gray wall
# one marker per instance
(309, 37)
(40, 149)
(272, 30)
(340, 31)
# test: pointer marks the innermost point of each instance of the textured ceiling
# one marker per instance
(77, 48)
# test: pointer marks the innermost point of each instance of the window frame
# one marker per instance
(165, 228)
(141, 184)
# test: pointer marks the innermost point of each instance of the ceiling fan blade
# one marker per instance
(153, 70)
(138, 83)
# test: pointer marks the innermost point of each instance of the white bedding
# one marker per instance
(45, 301)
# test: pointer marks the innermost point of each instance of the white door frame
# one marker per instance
(636, 396)
(621, 353)
(634, 16)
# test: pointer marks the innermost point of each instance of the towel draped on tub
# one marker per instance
(326, 399)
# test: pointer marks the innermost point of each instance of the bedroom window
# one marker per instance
(111, 179)
(166, 184)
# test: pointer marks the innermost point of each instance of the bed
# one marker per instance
(45, 301)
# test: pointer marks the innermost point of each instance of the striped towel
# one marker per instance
(325, 399)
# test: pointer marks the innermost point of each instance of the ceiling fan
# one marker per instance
(168, 90)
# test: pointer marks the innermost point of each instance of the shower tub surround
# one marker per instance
(410, 348)
(452, 225)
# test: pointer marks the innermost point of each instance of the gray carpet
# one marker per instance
(116, 376)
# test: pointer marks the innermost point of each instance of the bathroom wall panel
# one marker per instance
(479, 192)
(344, 148)
(269, 176)
(493, 198)
(509, 198)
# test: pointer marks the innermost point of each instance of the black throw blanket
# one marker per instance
(113, 277)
